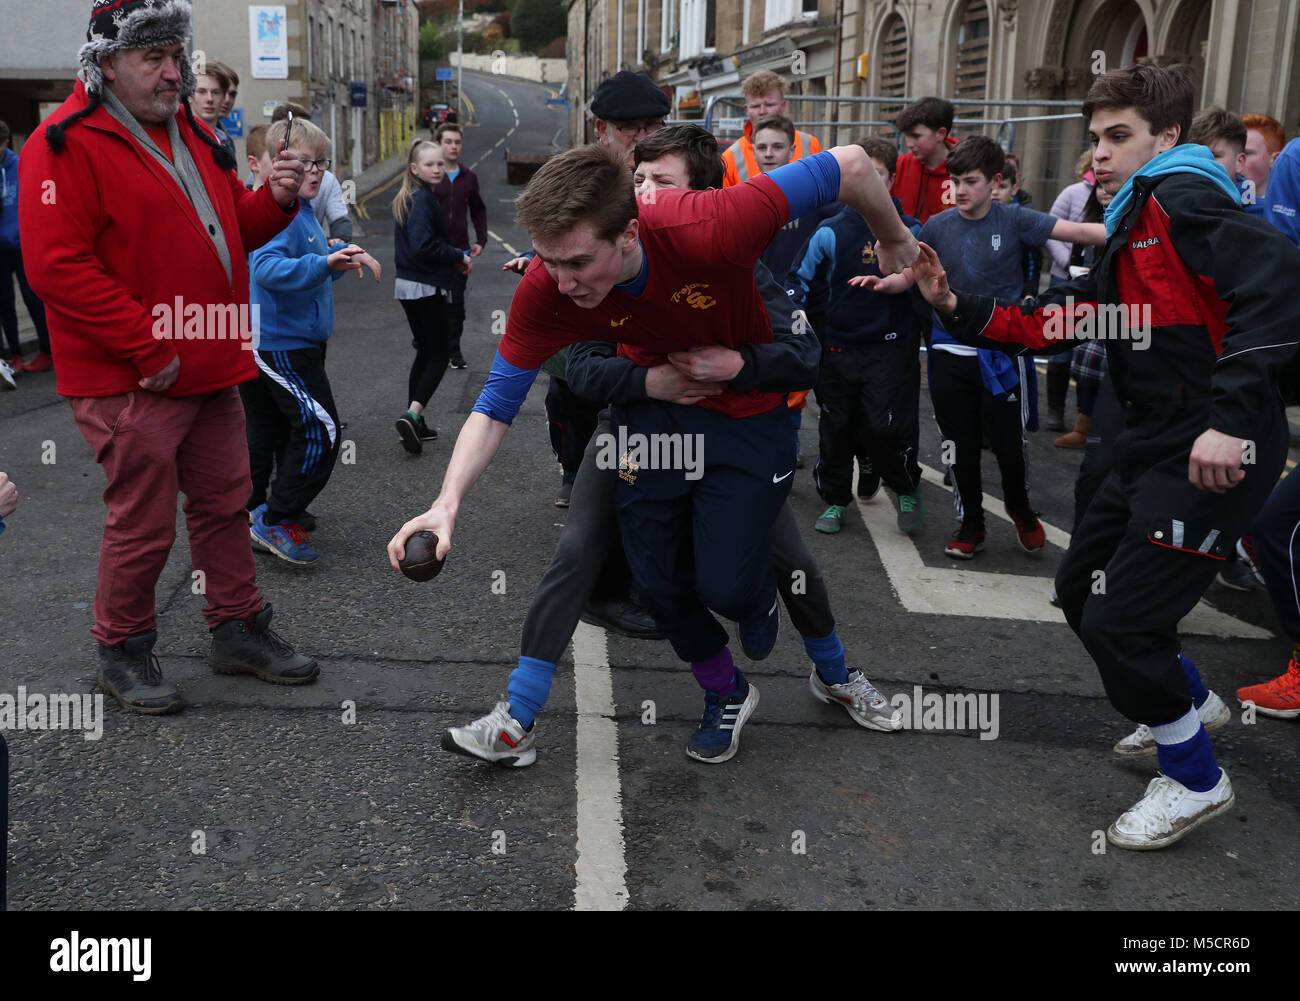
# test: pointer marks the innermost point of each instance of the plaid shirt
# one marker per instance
(1088, 363)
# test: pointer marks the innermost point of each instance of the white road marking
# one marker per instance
(497, 143)
(600, 866)
(509, 249)
(993, 506)
(956, 591)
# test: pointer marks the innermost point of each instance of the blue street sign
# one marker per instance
(358, 93)
(442, 74)
(233, 124)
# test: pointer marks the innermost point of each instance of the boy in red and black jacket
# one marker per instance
(1198, 315)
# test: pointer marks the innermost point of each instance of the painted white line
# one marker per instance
(600, 867)
(951, 590)
(497, 143)
(509, 249)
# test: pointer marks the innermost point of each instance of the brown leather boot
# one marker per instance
(1078, 438)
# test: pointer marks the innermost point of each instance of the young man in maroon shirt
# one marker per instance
(669, 277)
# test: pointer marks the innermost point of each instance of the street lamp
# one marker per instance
(460, 57)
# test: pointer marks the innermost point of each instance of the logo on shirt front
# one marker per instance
(696, 298)
(869, 254)
(997, 241)
(1143, 244)
(618, 323)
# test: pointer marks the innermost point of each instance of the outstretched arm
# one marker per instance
(845, 173)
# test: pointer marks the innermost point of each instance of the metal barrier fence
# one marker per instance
(1045, 183)
(1005, 127)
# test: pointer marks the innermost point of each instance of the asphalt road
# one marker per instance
(295, 806)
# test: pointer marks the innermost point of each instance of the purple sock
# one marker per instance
(717, 674)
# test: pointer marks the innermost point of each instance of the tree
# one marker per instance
(536, 22)
(430, 42)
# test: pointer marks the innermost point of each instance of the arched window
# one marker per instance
(971, 69)
(892, 78)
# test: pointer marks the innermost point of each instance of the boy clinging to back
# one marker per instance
(979, 391)
(869, 382)
(1205, 436)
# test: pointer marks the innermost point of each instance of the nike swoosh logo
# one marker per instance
(311, 239)
(778, 479)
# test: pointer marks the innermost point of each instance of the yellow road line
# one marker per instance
(396, 177)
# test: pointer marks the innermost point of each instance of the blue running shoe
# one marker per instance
(718, 738)
(758, 637)
(286, 540)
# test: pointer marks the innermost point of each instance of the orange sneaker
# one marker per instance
(1281, 696)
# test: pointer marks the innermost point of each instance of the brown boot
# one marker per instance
(1078, 438)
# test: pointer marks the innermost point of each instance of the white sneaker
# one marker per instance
(1139, 744)
(1168, 811)
(496, 737)
(859, 698)
(6, 376)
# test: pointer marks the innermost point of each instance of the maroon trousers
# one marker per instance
(152, 447)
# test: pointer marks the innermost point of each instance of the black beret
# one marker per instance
(627, 95)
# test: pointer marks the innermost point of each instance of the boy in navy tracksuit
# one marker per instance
(869, 383)
(976, 391)
(291, 278)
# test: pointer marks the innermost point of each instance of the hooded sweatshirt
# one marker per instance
(292, 285)
(9, 200)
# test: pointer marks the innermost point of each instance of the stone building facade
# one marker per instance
(1245, 54)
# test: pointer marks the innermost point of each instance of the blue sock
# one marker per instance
(1199, 692)
(827, 656)
(529, 688)
(1191, 762)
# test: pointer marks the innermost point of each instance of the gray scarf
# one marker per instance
(182, 169)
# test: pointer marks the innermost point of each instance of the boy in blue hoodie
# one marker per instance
(11, 266)
(293, 302)
(869, 385)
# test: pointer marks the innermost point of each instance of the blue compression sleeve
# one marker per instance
(809, 183)
(505, 390)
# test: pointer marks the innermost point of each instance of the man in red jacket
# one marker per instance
(136, 231)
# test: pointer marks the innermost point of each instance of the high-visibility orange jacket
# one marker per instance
(739, 163)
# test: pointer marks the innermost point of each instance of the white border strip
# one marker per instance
(600, 867)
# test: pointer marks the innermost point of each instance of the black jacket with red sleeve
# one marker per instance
(1214, 285)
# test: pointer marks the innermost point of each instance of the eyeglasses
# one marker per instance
(632, 130)
(321, 165)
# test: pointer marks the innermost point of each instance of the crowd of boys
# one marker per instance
(824, 271)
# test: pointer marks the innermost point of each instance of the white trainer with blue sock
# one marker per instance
(1213, 712)
(858, 697)
(1168, 812)
(497, 737)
